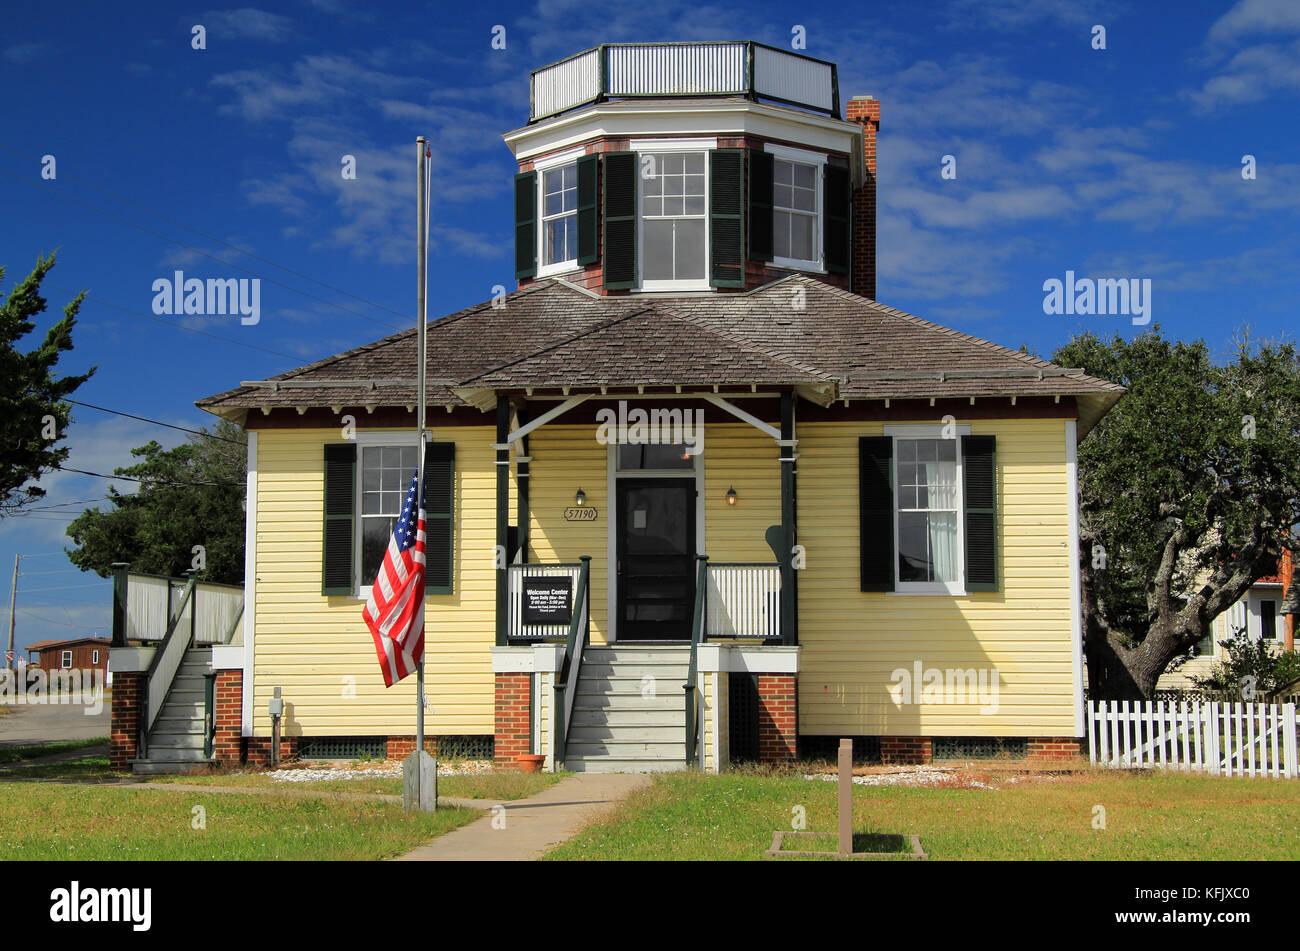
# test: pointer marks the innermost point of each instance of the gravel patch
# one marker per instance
(911, 776)
(391, 769)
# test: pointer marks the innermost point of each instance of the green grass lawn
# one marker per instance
(50, 819)
(12, 754)
(1147, 816)
(500, 786)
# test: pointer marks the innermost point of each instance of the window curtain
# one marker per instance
(941, 487)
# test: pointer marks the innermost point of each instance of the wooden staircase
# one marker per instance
(628, 715)
(175, 745)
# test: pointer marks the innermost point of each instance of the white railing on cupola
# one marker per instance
(618, 70)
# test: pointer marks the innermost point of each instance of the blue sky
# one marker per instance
(1122, 162)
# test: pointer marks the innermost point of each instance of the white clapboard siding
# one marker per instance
(1223, 739)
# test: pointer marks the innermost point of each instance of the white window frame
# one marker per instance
(930, 588)
(671, 145)
(65, 660)
(94, 657)
(818, 160)
(1255, 614)
(541, 167)
(371, 440)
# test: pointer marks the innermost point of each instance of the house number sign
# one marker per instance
(584, 514)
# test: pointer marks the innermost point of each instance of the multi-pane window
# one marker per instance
(794, 210)
(65, 660)
(385, 479)
(560, 214)
(633, 456)
(928, 508)
(673, 216)
(1268, 619)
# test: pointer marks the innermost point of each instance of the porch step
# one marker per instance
(176, 741)
(616, 725)
(143, 767)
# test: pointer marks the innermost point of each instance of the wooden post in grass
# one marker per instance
(846, 797)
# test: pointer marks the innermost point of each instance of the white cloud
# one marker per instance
(246, 23)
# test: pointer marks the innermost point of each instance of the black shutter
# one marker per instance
(337, 544)
(979, 465)
(727, 218)
(876, 511)
(620, 220)
(760, 205)
(525, 224)
(588, 247)
(439, 516)
(835, 226)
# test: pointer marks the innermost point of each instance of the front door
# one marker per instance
(656, 559)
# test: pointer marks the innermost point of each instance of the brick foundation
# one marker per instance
(228, 743)
(125, 720)
(906, 750)
(1053, 748)
(513, 718)
(778, 718)
(400, 747)
(257, 749)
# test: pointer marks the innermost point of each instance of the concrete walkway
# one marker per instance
(533, 826)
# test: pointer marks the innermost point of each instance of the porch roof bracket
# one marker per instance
(740, 414)
(545, 418)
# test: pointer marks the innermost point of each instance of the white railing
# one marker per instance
(177, 638)
(515, 626)
(744, 600)
(152, 600)
(1223, 739)
(684, 69)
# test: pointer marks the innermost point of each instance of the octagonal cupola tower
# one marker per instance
(683, 168)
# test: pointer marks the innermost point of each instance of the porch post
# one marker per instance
(521, 478)
(503, 512)
(119, 603)
(789, 593)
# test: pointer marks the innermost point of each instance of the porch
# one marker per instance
(617, 629)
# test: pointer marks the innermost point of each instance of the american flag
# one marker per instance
(395, 609)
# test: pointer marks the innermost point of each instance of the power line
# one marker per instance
(59, 505)
(101, 475)
(156, 422)
(270, 280)
(203, 234)
(65, 587)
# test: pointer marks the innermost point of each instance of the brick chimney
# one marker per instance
(866, 112)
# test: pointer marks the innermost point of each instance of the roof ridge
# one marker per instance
(556, 344)
(1035, 362)
(747, 344)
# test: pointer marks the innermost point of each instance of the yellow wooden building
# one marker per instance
(693, 495)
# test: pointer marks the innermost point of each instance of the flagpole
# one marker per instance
(420, 790)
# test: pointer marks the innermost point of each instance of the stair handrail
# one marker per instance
(691, 688)
(171, 647)
(566, 685)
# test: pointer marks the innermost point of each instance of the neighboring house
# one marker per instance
(1259, 614)
(881, 500)
(81, 653)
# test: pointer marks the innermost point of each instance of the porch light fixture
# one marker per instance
(580, 498)
(731, 496)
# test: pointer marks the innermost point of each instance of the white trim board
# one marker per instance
(1076, 602)
(250, 587)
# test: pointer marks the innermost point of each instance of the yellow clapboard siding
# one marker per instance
(318, 650)
(853, 642)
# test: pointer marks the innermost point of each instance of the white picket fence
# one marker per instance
(1223, 739)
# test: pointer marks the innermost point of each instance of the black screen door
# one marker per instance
(656, 558)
